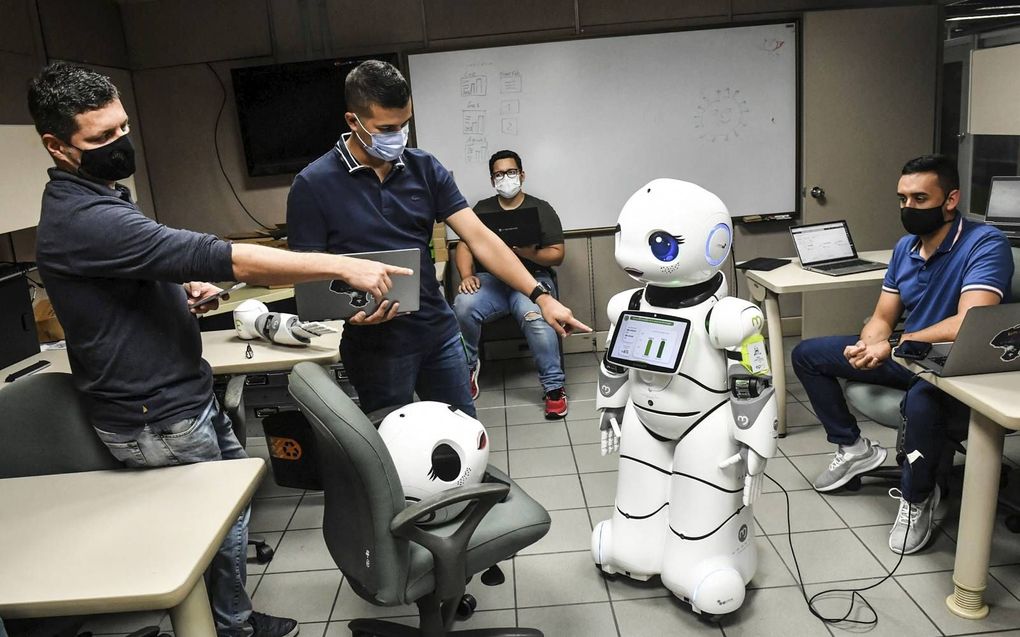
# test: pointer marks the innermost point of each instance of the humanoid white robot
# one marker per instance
(252, 319)
(693, 442)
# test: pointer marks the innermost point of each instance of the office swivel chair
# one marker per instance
(882, 405)
(232, 401)
(386, 558)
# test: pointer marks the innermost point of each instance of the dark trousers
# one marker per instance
(929, 413)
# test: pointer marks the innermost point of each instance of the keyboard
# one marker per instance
(850, 265)
(939, 360)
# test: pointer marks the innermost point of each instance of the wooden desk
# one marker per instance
(151, 534)
(992, 399)
(225, 353)
(766, 288)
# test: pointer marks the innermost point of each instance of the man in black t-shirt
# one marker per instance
(483, 298)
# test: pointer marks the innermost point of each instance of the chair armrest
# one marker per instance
(449, 551)
(234, 394)
(233, 405)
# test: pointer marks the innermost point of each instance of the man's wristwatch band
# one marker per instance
(537, 292)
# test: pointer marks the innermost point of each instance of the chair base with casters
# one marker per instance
(372, 534)
(233, 404)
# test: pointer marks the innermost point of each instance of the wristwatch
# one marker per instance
(539, 290)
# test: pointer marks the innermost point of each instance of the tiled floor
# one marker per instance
(840, 541)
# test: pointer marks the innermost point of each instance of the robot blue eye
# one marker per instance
(665, 247)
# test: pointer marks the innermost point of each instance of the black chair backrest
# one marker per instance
(44, 429)
(361, 485)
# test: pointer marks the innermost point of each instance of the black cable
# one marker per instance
(216, 144)
(855, 593)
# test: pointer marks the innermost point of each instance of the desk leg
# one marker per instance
(193, 617)
(977, 517)
(776, 358)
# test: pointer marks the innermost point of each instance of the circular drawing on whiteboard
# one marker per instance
(721, 116)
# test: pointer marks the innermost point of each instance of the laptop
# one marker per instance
(519, 227)
(330, 300)
(1004, 205)
(988, 342)
(828, 248)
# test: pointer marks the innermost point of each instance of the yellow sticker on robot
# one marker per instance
(753, 355)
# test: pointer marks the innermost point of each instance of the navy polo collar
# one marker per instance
(352, 163)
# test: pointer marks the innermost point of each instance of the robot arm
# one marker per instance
(252, 319)
(612, 396)
(614, 383)
(733, 321)
(735, 325)
(755, 425)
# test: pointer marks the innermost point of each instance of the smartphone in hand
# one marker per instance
(218, 295)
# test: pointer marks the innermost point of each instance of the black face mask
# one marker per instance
(111, 162)
(923, 221)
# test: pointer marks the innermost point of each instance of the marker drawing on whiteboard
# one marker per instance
(472, 85)
(510, 82)
(721, 116)
(473, 122)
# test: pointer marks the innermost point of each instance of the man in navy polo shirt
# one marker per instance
(370, 193)
(944, 267)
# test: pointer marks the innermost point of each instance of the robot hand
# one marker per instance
(755, 476)
(610, 426)
(287, 329)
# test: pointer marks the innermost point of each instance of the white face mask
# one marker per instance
(385, 146)
(508, 186)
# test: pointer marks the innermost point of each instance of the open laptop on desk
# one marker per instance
(828, 248)
(988, 342)
(1004, 206)
(517, 227)
(329, 300)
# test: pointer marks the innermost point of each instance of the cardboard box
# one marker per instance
(46, 322)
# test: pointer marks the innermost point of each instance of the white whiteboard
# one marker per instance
(596, 119)
(23, 176)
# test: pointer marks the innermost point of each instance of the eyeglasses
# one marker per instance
(499, 175)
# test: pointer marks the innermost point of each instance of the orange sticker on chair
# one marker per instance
(284, 448)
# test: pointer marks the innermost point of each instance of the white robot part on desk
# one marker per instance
(252, 319)
(694, 430)
(435, 447)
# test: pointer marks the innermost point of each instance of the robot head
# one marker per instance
(673, 233)
(435, 447)
(244, 318)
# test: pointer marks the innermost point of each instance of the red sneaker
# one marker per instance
(555, 404)
(473, 372)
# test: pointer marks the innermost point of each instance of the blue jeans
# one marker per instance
(437, 373)
(208, 437)
(929, 413)
(495, 299)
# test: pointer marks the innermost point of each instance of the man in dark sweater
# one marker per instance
(120, 284)
(483, 298)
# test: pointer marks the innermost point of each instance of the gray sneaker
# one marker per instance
(920, 516)
(845, 466)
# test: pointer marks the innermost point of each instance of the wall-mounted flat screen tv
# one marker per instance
(290, 114)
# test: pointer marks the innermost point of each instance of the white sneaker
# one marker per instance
(919, 517)
(845, 466)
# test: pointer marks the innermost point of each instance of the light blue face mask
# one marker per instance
(385, 146)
